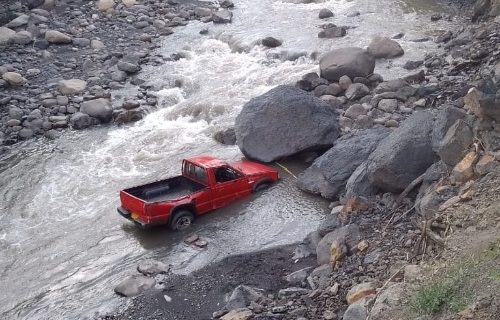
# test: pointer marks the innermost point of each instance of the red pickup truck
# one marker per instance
(206, 184)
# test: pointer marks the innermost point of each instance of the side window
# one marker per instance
(225, 174)
(196, 173)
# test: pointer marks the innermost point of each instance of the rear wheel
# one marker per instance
(182, 220)
(261, 186)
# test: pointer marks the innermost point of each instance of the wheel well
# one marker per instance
(184, 207)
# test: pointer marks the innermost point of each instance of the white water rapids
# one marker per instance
(62, 245)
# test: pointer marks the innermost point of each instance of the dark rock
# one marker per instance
(444, 120)
(283, 122)
(329, 173)
(99, 109)
(329, 224)
(227, 136)
(332, 32)
(412, 65)
(325, 13)
(128, 67)
(359, 183)
(226, 4)
(130, 104)
(404, 155)
(242, 296)
(80, 121)
(352, 62)
(382, 47)
(271, 42)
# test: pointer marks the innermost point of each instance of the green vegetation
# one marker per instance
(454, 290)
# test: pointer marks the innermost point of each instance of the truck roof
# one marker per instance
(207, 161)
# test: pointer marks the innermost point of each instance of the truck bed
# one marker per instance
(165, 190)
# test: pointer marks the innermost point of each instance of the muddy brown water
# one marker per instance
(62, 245)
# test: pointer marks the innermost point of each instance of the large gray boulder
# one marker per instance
(80, 121)
(329, 173)
(6, 35)
(98, 108)
(352, 62)
(348, 235)
(284, 121)
(382, 47)
(404, 155)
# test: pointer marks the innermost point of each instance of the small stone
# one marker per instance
(130, 104)
(355, 111)
(191, 238)
(362, 246)
(134, 285)
(388, 105)
(128, 67)
(22, 37)
(71, 86)
(14, 79)
(57, 37)
(104, 5)
(96, 44)
(201, 243)
(19, 21)
(486, 164)
(329, 315)
(356, 91)
(238, 314)
(271, 42)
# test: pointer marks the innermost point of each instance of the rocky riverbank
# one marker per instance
(397, 158)
(60, 60)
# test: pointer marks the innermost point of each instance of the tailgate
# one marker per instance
(132, 204)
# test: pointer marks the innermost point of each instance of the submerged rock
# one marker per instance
(134, 285)
(382, 47)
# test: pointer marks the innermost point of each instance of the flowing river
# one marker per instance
(63, 247)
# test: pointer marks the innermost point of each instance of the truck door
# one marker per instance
(229, 186)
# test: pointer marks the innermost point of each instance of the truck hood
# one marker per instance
(253, 168)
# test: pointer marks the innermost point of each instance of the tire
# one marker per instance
(261, 186)
(182, 220)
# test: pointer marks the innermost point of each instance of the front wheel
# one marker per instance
(261, 186)
(181, 220)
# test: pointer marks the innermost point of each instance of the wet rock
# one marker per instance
(325, 13)
(223, 16)
(347, 235)
(99, 109)
(464, 170)
(391, 86)
(382, 47)
(455, 143)
(130, 104)
(14, 79)
(5, 35)
(80, 121)
(71, 86)
(227, 136)
(332, 32)
(202, 12)
(352, 62)
(134, 285)
(271, 42)
(152, 267)
(226, 4)
(278, 124)
(404, 155)
(329, 173)
(412, 65)
(361, 291)
(56, 37)
(356, 91)
(242, 296)
(238, 314)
